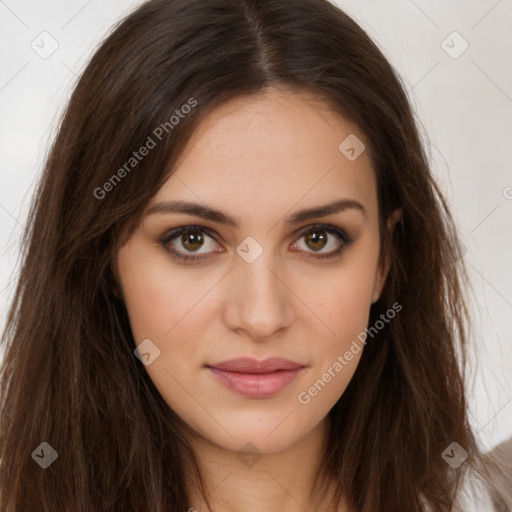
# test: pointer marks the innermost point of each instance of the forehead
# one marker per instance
(269, 152)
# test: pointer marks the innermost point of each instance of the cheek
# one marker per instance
(159, 301)
(163, 307)
(343, 304)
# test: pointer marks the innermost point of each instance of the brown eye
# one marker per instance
(192, 240)
(183, 242)
(316, 240)
(319, 237)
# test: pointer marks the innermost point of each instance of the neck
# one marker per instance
(284, 481)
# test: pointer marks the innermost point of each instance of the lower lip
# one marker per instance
(256, 385)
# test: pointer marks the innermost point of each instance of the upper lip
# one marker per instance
(249, 365)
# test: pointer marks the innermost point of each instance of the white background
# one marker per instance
(464, 105)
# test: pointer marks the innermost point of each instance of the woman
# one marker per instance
(241, 285)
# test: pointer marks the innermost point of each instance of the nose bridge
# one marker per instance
(260, 303)
(261, 276)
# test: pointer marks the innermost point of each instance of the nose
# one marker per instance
(260, 300)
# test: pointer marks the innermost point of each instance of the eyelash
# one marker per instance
(328, 228)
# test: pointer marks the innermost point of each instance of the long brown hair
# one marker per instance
(69, 376)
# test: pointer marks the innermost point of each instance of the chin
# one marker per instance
(265, 433)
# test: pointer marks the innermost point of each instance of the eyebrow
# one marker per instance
(214, 215)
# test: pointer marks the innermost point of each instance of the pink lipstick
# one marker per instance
(256, 379)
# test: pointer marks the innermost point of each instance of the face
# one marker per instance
(264, 276)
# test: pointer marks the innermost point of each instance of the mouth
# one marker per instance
(256, 379)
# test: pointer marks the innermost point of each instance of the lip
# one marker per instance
(256, 379)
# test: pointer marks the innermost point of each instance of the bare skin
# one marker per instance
(260, 160)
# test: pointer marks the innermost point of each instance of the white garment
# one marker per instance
(474, 497)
